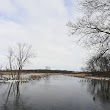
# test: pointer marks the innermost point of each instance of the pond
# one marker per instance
(56, 92)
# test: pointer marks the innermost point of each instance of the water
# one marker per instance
(56, 93)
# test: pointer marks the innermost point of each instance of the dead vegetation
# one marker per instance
(39, 76)
(82, 75)
(24, 77)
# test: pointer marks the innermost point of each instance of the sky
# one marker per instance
(42, 24)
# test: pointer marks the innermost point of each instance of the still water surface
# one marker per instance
(57, 92)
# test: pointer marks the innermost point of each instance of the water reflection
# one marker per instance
(47, 79)
(13, 99)
(14, 93)
(55, 93)
(100, 90)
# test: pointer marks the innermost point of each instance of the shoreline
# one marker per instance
(89, 76)
(100, 78)
(42, 75)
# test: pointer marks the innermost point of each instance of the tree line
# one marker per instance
(93, 31)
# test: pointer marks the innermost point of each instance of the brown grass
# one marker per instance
(82, 75)
(38, 76)
(41, 75)
(9, 73)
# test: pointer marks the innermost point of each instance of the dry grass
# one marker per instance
(32, 76)
(9, 73)
(39, 76)
(82, 75)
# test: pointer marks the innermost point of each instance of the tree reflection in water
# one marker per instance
(100, 90)
(14, 93)
(13, 98)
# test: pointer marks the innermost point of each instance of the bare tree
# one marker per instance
(11, 58)
(93, 29)
(91, 65)
(47, 67)
(19, 56)
(1, 74)
(96, 64)
(23, 54)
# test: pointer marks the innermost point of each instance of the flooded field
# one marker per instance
(56, 92)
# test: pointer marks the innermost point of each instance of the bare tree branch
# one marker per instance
(94, 28)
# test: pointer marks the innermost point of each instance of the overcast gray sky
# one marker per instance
(41, 23)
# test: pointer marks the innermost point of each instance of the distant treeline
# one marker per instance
(41, 71)
(98, 73)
